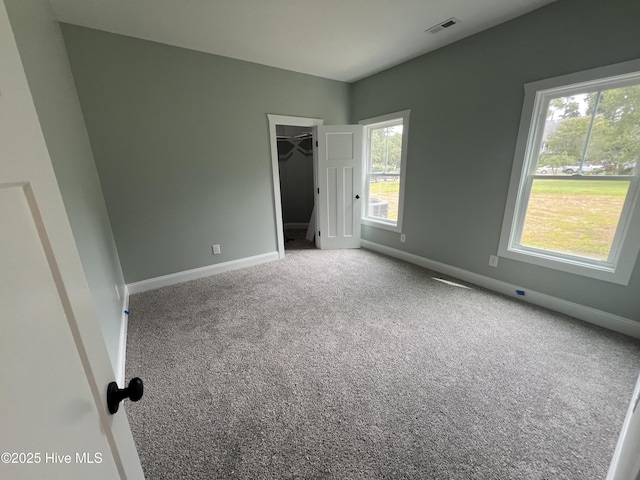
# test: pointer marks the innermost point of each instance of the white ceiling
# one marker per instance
(340, 39)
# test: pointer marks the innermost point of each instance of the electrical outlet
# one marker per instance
(493, 261)
(216, 249)
(403, 237)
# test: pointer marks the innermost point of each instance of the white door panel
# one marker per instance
(54, 366)
(47, 408)
(339, 183)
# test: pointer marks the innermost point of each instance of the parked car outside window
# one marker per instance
(571, 169)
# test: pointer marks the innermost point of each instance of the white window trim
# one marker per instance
(367, 124)
(619, 267)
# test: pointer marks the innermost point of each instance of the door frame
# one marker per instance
(624, 463)
(274, 121)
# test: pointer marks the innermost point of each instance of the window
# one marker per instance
(573, 196)
(385, 160)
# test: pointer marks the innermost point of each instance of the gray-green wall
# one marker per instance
(465, 102)
(181, 143)
(42, 52)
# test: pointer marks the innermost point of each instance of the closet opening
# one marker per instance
(286, 120)
(295, 147)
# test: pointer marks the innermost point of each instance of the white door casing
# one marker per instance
(339, 186)
(625, 464)
(54, 366)
(274, 121)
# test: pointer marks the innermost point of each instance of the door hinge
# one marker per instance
(318, 190)
(316, 143)
(319, 233)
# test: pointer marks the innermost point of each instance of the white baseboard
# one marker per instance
(122, 348)
(588, 314)
(194, 274)
(300, 226)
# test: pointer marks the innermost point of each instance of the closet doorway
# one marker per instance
(295, 166)
(294, 179)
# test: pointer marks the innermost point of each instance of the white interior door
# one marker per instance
(626, 458)
(54, 367)
(339, 180)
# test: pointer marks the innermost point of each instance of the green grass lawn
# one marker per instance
(580, 187)
(574, 216)
(388, 191)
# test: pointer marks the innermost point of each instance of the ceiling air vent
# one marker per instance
(449, 22)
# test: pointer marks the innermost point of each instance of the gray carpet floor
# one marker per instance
(352, 365)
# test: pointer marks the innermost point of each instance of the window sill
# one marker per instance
(604, 272)
(382, 225)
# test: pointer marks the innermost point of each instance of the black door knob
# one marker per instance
(357, 197)
(115, 395)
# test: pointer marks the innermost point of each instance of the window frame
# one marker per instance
(626, 243)
(369, 124)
